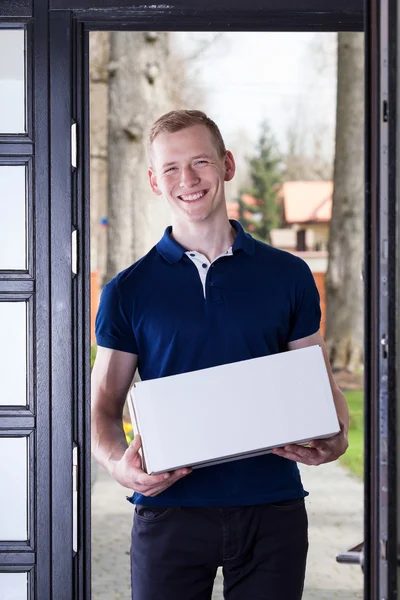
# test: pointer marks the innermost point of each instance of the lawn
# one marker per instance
(354, 457)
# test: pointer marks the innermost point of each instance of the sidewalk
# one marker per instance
(335, 509)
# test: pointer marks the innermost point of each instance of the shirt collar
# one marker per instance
(172, 251)
(243, 240)
(169, 248)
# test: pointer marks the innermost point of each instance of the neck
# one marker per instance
(210, 239)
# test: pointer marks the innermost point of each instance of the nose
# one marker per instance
(188, 177)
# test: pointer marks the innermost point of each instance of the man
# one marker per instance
(206, 295)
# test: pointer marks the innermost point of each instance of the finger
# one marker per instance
(322, 446)
(150, 481)
(295, 457)
(179, 473)
(316, 443)
(301, 451)
(154, 491)
(135, 444)
(152, 486)
(158, 489)
(297, 453)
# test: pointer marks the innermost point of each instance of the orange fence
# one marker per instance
(94, 301)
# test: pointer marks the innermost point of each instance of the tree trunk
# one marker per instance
(138, 94)
(99, 59)
(344, 289)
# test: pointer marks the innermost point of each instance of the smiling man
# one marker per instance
(207, 294)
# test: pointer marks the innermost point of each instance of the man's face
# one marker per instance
(188, 171)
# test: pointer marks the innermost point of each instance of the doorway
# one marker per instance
(289, 109)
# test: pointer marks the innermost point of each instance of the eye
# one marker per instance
(170, 169)
(201, 162)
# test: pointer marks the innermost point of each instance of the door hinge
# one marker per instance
(74, 252)
(74, 146)
(75, 475)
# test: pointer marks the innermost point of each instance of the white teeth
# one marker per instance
(193, 196)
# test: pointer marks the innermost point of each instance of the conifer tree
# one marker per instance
(261, 216)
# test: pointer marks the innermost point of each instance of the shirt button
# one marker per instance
(192, 254)
(204, 266)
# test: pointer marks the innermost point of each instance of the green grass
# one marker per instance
(354, 457)
(93, 351)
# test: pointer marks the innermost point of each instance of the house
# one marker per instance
(307, 210)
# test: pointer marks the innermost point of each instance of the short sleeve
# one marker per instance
(306, 316)
(113, 326)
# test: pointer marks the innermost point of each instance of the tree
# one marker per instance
(300, 164)
(344, 291)
(147, 77)
(99, 59)
(139, 92)
(263, 215)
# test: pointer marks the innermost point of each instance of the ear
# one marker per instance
(153, 182)
(230, 166)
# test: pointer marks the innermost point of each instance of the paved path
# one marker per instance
(334, 507)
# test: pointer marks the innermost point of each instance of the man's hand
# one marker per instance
(319, 452)
(129, 472)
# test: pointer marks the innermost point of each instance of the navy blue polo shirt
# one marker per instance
(253, 300)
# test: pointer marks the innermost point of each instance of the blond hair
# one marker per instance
(176, 120)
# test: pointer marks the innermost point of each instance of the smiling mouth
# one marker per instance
(193, 197)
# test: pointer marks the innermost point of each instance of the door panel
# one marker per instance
(381, 310)
(61, 303)
(18, 375)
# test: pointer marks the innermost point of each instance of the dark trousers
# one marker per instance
(176, 551)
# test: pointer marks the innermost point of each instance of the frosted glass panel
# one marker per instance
(13, 354)
(14, 489)
(13, 586)
(12, 221)
(12, 81)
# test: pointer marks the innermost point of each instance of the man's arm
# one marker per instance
(112, 376)
(321, 451)
(339, 399)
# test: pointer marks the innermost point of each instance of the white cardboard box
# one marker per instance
(233, 411)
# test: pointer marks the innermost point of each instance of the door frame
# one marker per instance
(70, 22)
(381, 297)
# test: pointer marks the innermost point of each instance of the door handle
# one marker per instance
(353, 556)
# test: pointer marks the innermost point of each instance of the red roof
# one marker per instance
(249, 200)
(307, 201)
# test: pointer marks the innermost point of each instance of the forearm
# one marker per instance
(108, 439)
